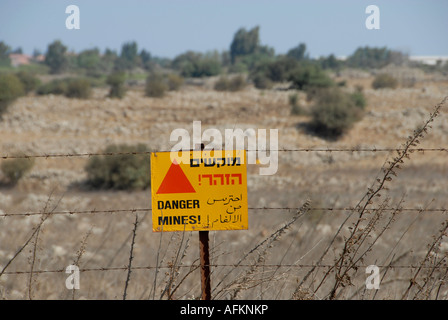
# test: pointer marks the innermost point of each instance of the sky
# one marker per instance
(170, 27)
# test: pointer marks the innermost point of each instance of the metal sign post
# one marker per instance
(199, 191)
(205, 265)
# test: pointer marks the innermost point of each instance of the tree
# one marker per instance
(265, 73)
(36, 53)
(90, 61)
(195, 64)
(309, 76)
(366, 57)
(280, 69)
(129, 57)
(244, 43)
(56, 58)
(330, 62)
(145, 58)
(298, 53)
(108, 60)
(4, 54)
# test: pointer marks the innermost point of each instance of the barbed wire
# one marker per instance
(111, 211)
(327, 149)
(195, 266)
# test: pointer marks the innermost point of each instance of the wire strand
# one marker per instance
(193, 266)
(110, 211)
(88, 154)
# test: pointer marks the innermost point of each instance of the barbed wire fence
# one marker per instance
(255, 209)
(93, 154)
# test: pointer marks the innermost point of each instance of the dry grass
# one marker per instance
(298, 254)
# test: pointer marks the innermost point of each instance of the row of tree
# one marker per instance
(245, 54)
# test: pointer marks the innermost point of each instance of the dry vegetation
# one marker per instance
(304, 253)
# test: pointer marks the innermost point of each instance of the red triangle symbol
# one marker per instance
(175, 181)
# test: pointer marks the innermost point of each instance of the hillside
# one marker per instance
(39, 125)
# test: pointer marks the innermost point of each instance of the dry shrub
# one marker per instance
(156, 86)
(127, 167)
(333, 113)
(70, 87)
(58, 86)
(233, 84)
(384, 80)
(78, 88)
(15, 169)
(174, 81)
(116, 82)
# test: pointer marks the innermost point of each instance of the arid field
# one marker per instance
(68, 223)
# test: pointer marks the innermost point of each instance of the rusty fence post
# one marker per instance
(204, 255)
(205, 265)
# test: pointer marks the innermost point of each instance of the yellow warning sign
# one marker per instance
(207, 191)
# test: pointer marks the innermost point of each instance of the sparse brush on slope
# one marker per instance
(246, 280)
(359, 243)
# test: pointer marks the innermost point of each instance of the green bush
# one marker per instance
(72, 88)
(233, 84)
(29, 80)
(375, 58)
(5, 61)
(269, 71)
(90, 61)
(384, 80)
(116, 82)
(195, 64)
(15, 169)
(244, 43)
(122, 171)
(309, 75)
(10, 89)
(280, 70)
(78, 88)
(58, 86)
(333, 113)
(298, 53)
(56, 57)
(155, 86)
